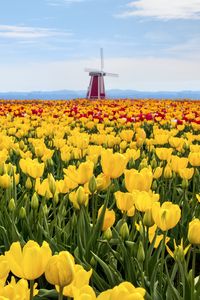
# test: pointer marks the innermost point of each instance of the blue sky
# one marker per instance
(152, 44)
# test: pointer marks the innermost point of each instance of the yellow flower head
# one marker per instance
(135, 180)
(21, 260)
(166, 216)
(113, 165)
(60, 269)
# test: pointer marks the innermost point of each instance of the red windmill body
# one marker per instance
(96, 89)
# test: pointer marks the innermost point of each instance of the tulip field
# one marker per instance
(100, 200)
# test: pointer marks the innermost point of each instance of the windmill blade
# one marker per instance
(102, 60)
(111, 74)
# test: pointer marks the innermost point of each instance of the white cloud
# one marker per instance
(138, 74)
(10, 31)
(163, 9)
(189, 49)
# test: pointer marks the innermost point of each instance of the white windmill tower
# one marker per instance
(96, 89)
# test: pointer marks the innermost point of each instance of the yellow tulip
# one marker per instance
(17, 177)
(198, 197)
(79, 197)
(125, 202)
(157, 172)
(194, 159)
(60, 269)
(82, 174)
(65, 155)
(144, 200)
(179, 252)
(194, 232)
(4, 269)
(113, 165)
(135, 180)
(175, 142)
(42, 188)
(125, 291)
(167, 172)
(159, 237)
(186, 173)
(85, 292)
(16, 290)
(195, 148)
(109, 218)
(178, 163)
(21, 260)
(5, 181)
(166, 216)
(52, 183)
(164, 153)
(132, 154)
(126, 135)
(39, 150)
(81, 278)
(161, 139)
(32, 167)
(102, 182)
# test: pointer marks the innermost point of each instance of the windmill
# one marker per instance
(96, 89)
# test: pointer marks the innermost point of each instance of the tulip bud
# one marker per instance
(131, 163)
(63, 211)
(148, 219)
(184, 184)
(154, 185)
(143, 164)
(107, 234)
(194, 232)
(28, 183)
(167, 172)
(140, 253)
(190, 277)
(93, 262)
(21, 144)
(11, 152)
(179, 254)
(123, 145)
(45, 209)
(92, 184)
(74, 220)
(22, 213)
(11, 205)
(153, 163)
(26, 198)
(124, 231)
(34, 201)
(49, 163)
(52, 183)
(10, 169)
(56, 198)
(81, 196)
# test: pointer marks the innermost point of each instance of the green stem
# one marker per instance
(31, 289)
(194, 184)
(60, 295)
(162, 258)
(93, 210)
(194, 262)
